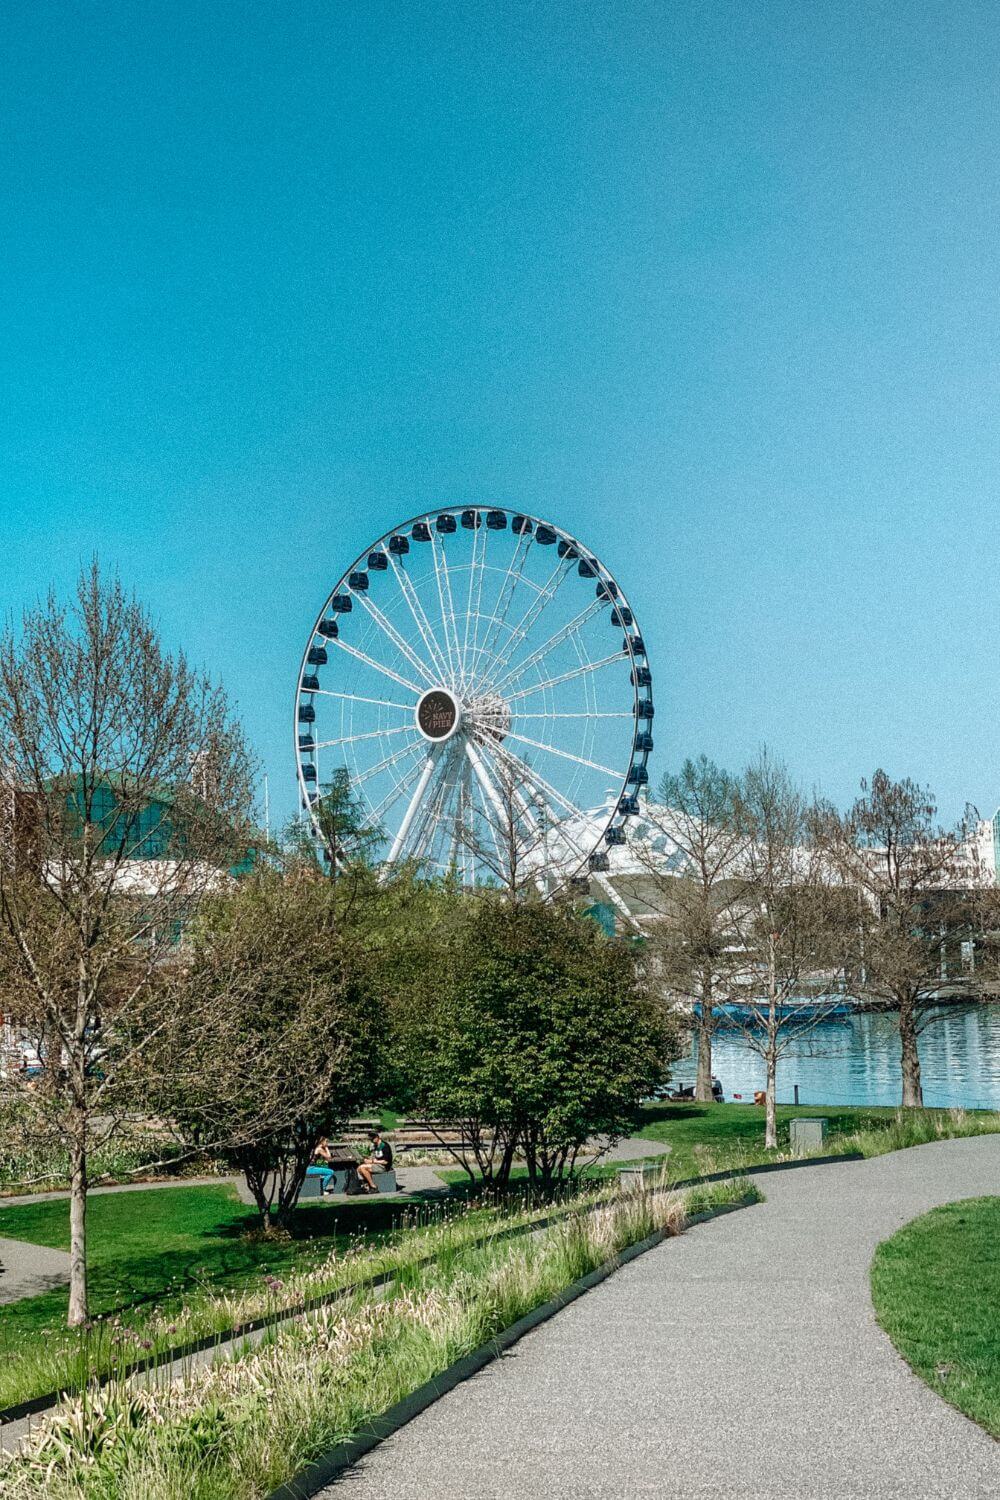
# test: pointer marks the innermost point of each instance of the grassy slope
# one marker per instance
(714, 1137)
(161, 1246)
(936, 1290)
(730, 1137)
(235, 1432)
(709, 1137)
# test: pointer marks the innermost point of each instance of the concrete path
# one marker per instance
(14, 1200)
(418, 1181)
(26, 1270)
(636, 1148)
(742, 1359)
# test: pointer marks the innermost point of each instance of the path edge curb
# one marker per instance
(342, 1456)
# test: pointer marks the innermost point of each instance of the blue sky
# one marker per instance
(714, 286)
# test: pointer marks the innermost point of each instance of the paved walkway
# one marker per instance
(418, 1181)
(636, 1148)
(742, 1359)
(26, 1270)
(14, 1200)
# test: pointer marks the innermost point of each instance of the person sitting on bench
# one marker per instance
(379, 1161)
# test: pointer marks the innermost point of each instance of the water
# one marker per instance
(856, 1061)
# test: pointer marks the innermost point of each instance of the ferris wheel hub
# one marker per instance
(438, 715)
(490, 712)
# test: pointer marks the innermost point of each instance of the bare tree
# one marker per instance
(686, 872)
(920, 895)
(508, 834)
(127, 791)
(788, 922)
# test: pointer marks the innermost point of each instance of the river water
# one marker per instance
(856, 1061)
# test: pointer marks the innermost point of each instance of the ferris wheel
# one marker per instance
(478, 680)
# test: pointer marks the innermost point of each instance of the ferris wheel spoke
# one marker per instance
(553, 641)
(588, 716)
(476, 650)
(407, 708)
(398, 641)
(524, 769)
(473, 569)
(580, 760)
(378, 666)
(376, 814)
(505, 596)
(466, 813)
(427, 819)
(445, 831)
(369, 734)
(456, 819)
(491, 803)
(449, 625)
(390, 760)
(411, 811)
(447, 818)
(420, 619)
(546, 594)
(580, 671)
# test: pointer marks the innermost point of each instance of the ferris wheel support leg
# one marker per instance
(484, 781)
(411, 811)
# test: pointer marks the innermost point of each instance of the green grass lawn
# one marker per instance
(936, 1290)
(707, 1138)
(164, 1246)
(712, 1137)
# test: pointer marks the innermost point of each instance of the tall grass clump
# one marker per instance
(107, 1347)
(237, 1429)
(917, 1127)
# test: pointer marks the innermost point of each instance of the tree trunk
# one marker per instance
(78, 1227)
(291, 1178)
(913, 1094)
(507, 1160)
(257, 1176)
(530, 1145)
(771, 1086)
(770, 1096)
(703, 1082)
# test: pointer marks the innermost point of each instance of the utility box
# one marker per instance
(807, 1136)
(639, 1178)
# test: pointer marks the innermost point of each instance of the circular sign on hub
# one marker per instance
(438, 715)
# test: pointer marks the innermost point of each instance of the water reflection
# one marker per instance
(856, 1061)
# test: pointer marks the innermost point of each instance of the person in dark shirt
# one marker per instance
(379, 1161)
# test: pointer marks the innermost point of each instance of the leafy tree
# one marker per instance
(281, 1041)
(536, 1031)
(347, 838)
(126, 789)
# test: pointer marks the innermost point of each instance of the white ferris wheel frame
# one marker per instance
(439, 656)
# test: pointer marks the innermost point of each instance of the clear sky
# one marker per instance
(713, 285)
